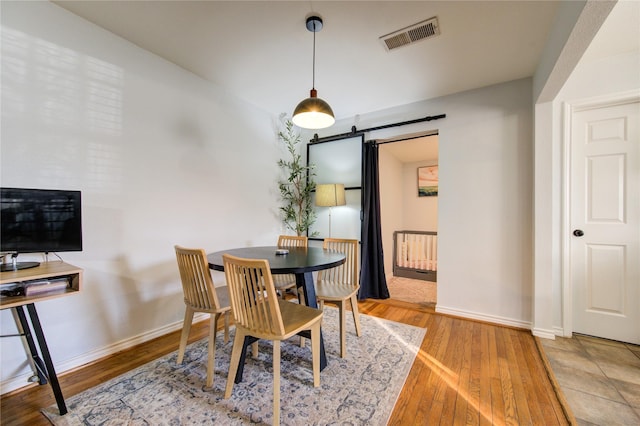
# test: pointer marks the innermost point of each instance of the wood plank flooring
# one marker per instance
(466, 372)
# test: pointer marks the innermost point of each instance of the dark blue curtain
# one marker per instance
(373, 282)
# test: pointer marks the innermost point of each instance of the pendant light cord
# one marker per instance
(313, 82)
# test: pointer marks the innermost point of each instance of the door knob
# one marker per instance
(578, 233)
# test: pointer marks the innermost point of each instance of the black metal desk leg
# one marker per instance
(306, 282)
(41, 370)
(44, 349)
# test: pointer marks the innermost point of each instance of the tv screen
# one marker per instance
(40, 220)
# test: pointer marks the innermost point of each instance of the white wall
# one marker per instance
(587, 80)
(549, 76)
(161, 156)
(485, 197)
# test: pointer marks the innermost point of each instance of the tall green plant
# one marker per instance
(296, 185)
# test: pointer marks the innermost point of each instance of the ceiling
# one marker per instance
(413, 150)
(262, 51)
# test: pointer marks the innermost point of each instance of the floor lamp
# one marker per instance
(330, 195)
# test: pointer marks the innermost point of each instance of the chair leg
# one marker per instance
(356, 314)
(342, 307)
(186, 328)
(302, 302)
(276, 382)
(226, 326)
(211, 350)
(238, 343)
(315, 354)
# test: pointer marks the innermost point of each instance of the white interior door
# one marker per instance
(605, 222)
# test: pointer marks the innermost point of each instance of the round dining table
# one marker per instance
(301, 261)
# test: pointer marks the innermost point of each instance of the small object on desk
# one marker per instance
(46, 286)
(11, 290)
(282, 251)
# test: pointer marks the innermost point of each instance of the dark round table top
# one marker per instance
(297, 261)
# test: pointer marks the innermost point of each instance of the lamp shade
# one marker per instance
(313, 113)
(330, 195)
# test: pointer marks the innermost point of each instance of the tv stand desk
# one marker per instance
(46, 271)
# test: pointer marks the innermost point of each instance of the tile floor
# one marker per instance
(599, 378)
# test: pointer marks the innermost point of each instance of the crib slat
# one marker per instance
(416, 250)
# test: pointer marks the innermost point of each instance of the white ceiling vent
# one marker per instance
(420, 31)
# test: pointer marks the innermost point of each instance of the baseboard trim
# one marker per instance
(22, 380)
(543, 333)
(483, 317)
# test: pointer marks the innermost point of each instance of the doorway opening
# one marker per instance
(403, 207)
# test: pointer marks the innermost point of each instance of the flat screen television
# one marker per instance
(39, 221)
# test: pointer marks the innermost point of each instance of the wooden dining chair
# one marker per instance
(258, 312)
(284, 282)
(340, 284)
(200, 295)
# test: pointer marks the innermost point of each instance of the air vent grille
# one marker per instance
(411, 34)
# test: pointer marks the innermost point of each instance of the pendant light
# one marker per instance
(313, 112)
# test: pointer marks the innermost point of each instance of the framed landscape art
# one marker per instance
(428, 181)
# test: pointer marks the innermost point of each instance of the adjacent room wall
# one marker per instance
(161, 156)
(391, 203)
(401, 208)
(419, 213)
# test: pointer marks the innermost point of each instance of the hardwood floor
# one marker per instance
(466, 372)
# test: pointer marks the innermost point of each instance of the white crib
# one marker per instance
(415, 255)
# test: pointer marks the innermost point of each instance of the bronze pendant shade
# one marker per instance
(313, 112)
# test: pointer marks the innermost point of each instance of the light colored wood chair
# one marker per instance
(258, 312)
(283, 282)
(340, 284)
(200, 295)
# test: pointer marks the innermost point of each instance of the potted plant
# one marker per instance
(297, 183)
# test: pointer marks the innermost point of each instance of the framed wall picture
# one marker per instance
(428, 181)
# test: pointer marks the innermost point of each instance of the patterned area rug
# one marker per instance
(360, 389)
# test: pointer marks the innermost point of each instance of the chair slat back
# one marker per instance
(348, 272)
(197, 284)
(254, 301)
(286, 241)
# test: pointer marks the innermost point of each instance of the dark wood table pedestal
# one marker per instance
(300, 261)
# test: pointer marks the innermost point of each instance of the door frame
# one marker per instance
(569, 108)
